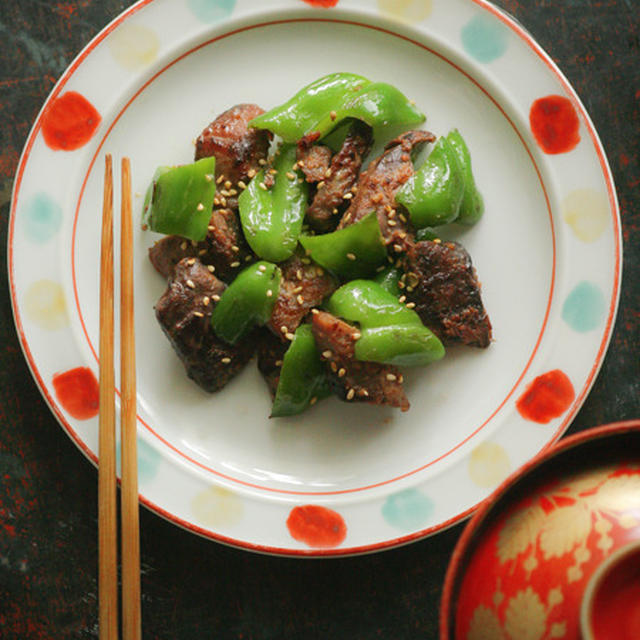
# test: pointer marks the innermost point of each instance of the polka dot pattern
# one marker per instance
(316, 526)
(217, 507)
(44, 305)
(211, 10)
(547, 397)
(133, 46)
(77, 392)
(585, 307)
(407, 510)
(69, 122)
(555, 125)
(408, 10)
(42, 218)
(586, 211)
(485, 38)
(488, 465)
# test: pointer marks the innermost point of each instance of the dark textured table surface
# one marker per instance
(193, 588)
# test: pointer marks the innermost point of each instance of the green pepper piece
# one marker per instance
(390, 333)
(433, 194)
(272, 218)
(379, 104)
(299, 115)
(472, 206)
(352, 252)
(322, 105)
(248, 301)
(179, 199)
(302, 377)
(427, 233)
(388, 279)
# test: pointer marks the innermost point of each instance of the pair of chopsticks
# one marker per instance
(107, 516)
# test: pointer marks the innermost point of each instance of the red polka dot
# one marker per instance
(554, 123)
(78, 393)
(547, 397)
(316, 526)
(322, 3)
(69, 122)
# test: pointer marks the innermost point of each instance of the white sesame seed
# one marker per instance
(225, 360)
(327, 353)
(190, 284)
(269, 293)
(289, 336)
(202, 252)
(205, 301)
(391, 377)
(191, 261)
(250, 173)
(225, 193)
(215, 297)
(198, 314)
(351, 256)
(291, 176)
(262, 162)
(278, 363)
(220, 179)
(347, 196)
(410, 305)
(300, 299)
(356, 335)
(208, 177)
(299, 274)
(333, 115)
(284, 329)
(200, 206)
(211, 268)
(263, 186)
(216, 201)
(350, 394)
(342, 372)
(262, 268)
(327, 173)
(234, 264)
(314, 311)
(320, 184)
(183, 246)
(334, 211)
(234, 248)
(227, 184)
(402, 298)
(391, 223)
(242, 184)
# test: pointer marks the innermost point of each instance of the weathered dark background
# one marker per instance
(195, 588)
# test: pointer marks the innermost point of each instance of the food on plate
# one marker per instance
(285, 244)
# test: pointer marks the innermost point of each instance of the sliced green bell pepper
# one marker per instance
(352, 252)
(472, 206)
(433, 194)
(179, 200)
(302, 377)
(248, 301)
(390, 332)
(388, 279)
(323, 104)
(426, 233)
(272, 217)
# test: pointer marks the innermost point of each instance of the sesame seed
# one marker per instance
(200, 206)
(410, 289)
(198, 314)
(300, 299)
(315, 312)
(297, 289)
(291, 176)
(205, 301)
(262, 268)
(269, 293)
(289, 336)
(220, 179)
(211, 268)
(347, 196)
(327, 173)
(190, 284)
(350, 394)
(191, 261)
(225, 360)
(202, 252)
(227, 184)
(327, 354)
(301, 163)
(402, 217)
(392, 213)
(341, 372)
(320, 184)
(354, 189)
(278, 363)
(262, 162)
(334, 211)
(211, 228)
(402, 298)
(215, 297)
(223, 201)
(273, 172)
(356, 335)
(402, 234)
(313, 400)
(400, 378)
(234, 248)
(391, 223)
(365, 393)
(225, 193)
(263, 186)
(183, 246)
(397, 248)
(391, 377)
(299, 274)
(377, 198)
(334, 367)
(242, 184)
(351, 256)
(216, 201)
(305, 260)
(235, 264)
(208, 177)
(333, 115)
(247, 258)
(401, 285)
(412, 102)
(250, 173)
(284, 329)
(295, 166)
(300, 180)
(233, 192)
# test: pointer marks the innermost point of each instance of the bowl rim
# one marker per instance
(488, 505)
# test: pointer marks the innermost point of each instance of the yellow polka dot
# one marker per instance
(216, 507)
(45, 306)
(587, 213)
(489, 464)
(133, 46)
(409, 10)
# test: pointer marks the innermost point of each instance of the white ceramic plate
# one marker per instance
(342, 478)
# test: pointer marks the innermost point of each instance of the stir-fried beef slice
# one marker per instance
(313, 159)
(352, 379)
(237, 147)
(340, 178)
(442, 282)
(224, 248)
(184, 313)
(271, 351)
(378, 185)
(303, 287)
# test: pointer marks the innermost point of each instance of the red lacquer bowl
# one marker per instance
(522, 566)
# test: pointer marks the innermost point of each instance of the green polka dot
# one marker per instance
(485, 38)
(407, 510)
(42, 218)
(585, 307)
(148, 460)
(211, 10)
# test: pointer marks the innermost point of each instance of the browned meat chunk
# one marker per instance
(378, 185)
(224, 248)
(340, 178)
(314, 159)
(271, 351)
(184, 313)
(443, 284)
(237, 147)
(352, 379)
(303, 287)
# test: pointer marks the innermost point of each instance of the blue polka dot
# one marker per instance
(585, 307)
(485, 38)
(42, 218)
(148, 461)
(407, 510)
(211, 10)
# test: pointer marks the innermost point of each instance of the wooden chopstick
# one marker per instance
(107, 517)
(131, 623)
(107, 525)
